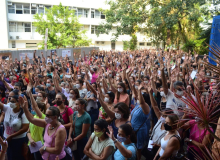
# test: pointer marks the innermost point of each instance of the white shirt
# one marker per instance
(12, 123)
(65, 93)
(174, 103)
(82, 92)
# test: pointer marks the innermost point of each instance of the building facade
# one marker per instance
(17, 17)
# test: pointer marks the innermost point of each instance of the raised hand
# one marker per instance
(110, 134)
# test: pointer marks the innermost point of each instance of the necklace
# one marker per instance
(51, 128)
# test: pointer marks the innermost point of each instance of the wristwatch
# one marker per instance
(45, 148)
(190, 140)
(115, 141)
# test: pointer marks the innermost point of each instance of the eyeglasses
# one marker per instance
(47, 115)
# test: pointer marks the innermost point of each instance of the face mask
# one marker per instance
(13, 105)
(83, 73)
(180, 93)
(208, 74)
(48, 84)
(77, 86)
(121, 139)
(106, 99)
(33, 112)
(100, 84)
(98, 134)
(117, 115)
(162, 94)
(67, 90)
(39, 99)
(167, 127)
(59, 103)
(48, 120)
(146, 82)
(36, 92)
(142, 67)
(71, 96)
(120, 90)
(162, 119)
(136, 87)
(138, 102)
(110, 75)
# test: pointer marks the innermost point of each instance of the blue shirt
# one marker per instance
(131, 147)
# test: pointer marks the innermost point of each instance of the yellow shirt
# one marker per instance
(37, 132)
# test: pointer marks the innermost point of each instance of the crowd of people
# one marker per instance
(105, 106)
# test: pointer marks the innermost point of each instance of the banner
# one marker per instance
(66, 52)
(214, 37)
(29, 55)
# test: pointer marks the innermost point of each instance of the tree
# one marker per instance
(63, 26)
(127, 16)
(181, 18)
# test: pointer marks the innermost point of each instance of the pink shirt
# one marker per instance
(94, 77)
(48, 142)
(123, 98)
(66, 113)
(196, 135)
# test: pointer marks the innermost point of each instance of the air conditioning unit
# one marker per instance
(33, 5)
(9, 3)
(17, 37)
(103, 42)
(11, 37)
(41, 6)
(92, 9)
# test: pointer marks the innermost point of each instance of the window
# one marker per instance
(13, 45)
(40, 9)
(92, 14)
(102, 16)
(92, 29)
(26, 8)
(12, 26)
(148, 44)
(141, 44)
(27, 27)
(80, 12)
(76, 12)
(31, 45)
(97, 14)
(33, 10)
(85, 13)
(20, 27)
(47, 7)
(19, 9)
(11, 8)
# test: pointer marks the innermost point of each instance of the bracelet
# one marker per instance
(115, 141)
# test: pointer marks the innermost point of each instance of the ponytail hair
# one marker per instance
(128, 131)
(56, 112)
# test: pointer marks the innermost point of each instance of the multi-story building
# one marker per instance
(17, 17)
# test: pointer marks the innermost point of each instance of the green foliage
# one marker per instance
(176, 21)
(127, 15)
(126, 45)
(63, 26)
(195, 45)
(133, 42)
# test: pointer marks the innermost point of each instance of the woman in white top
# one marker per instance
(16, 126)
(74, 95)
(100, 146)
(170, 144)
(158, 132)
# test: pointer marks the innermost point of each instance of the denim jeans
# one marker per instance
(78, 154)
(15, 147)
(94, 114)
(38, 156)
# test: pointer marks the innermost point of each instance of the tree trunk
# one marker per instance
(184, 38)
(168, 37)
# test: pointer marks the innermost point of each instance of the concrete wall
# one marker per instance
(16, 54)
